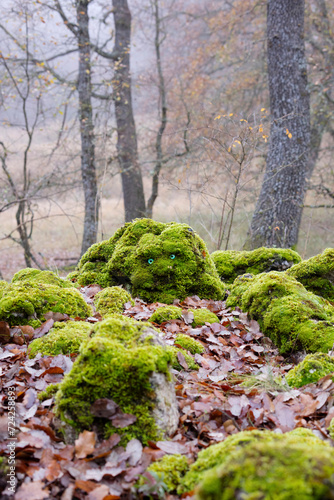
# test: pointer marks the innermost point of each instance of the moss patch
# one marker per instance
(331, 429)
(112, 300)
(116, 363)
(3, 287)
(170, 469)
(63, 338)
(212, 461)
(192, 365)
(32, 275)
(310, 370)
(50, 391)
(154, 261)
(286, 467)
(166, 313)
(231, 264)
(189, 343)
(202, 316)
(317, 274)
(25, 303)
(291, 316)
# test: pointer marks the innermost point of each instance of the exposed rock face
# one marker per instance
(154, 261)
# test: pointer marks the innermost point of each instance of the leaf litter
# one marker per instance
(239, 386)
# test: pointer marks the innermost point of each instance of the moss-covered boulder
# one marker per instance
(31, 275)
(231, 263)
(212, 461)
(281, 467)
(154, 261)
(112, 300)
(25, 303)
(310, 370)
(317, 274)
(166, 313)
(292, 317)
(170, 470)
(63, 338)
(202, 316)
(126, 362)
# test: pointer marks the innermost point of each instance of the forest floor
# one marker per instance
(239, 386)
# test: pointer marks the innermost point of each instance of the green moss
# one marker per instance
(111, 300)
(231, 264)
(154, 261)
(202, 316)
(116, 363)
(166, 313)
(32, 275)
(216, 457)
(317, 274)
(50, 391)
(290, 315)
(170, 469)
(189, 344)
(63, 338)
(286, 467)
(26, 303)
(331, 429)
(310, 370)
(192, 365)
(3, 287)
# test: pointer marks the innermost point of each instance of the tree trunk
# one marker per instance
(132, 183)
(277, 215)
(88, 170)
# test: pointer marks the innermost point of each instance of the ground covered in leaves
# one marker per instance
(239, 386)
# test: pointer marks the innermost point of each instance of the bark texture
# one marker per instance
(277, 215)
(132, 183)
(88, 169)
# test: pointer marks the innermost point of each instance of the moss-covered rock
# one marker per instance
(166, 313)
(31, 275)
(212, 461)
(25, 303)
(317, 274)
(112, 300)
(310, 370)
(192, 365)
(63, 338)
(189, 344)
(126, 362)
(291, 316)
(202, 316)
(231, 263)
(170, 469)
(154, 261)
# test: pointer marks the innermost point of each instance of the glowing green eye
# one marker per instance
(172, 256)
(150, 261)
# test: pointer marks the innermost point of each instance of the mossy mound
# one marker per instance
(192, 365)
(231, 263)
(189, 344)
(202, 316)
(317, 274)
(169, 469)
(310, 370)
(3, 287)
(63, 338)
(166, 313)
(31, 275)
(154, 261)
(112, 300)
(292, 317)
(117, 363)
(212, 461)
(26, 303)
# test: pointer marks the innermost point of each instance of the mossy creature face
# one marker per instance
(155, 261)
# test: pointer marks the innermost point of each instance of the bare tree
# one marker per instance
(278, 211)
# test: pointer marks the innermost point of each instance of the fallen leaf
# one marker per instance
(85, 444)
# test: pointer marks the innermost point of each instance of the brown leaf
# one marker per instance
(182, 360)
(35, 490)
(188, 317)
(56, 316)
(123, 420)
(85, 444)
(172, 447)
(135, 450)
(4, 332)
(104, 408)
(43, 329)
